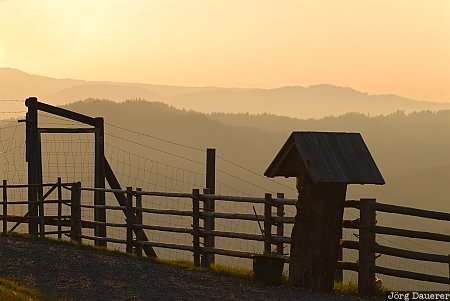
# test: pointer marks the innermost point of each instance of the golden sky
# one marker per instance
(379, 47)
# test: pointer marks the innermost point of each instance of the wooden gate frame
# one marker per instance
(103, 170)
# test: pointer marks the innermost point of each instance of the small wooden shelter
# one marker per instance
(324, 163)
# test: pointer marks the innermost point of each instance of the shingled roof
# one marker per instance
(327, 157)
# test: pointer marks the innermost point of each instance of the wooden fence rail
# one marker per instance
(203, 232)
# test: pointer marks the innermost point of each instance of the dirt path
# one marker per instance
(84, 274)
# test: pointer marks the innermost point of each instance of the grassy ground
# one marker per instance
(11, 291)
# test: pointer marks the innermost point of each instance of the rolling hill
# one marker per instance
(296, 101)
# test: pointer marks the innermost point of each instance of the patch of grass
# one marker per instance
(351, 288)
(346, 288)
(11, 291)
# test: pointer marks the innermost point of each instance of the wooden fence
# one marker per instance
(203, 232)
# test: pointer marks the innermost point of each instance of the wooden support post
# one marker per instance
(268, 223)
(339, 274)
(75, 213)
(196, 225)
(99, 196)
(59, 209)
(40, 188)
(121, 198)
(208, 224)
(130, 221)
(209, 205)
(5, 208)
(31, 157)
(280, 224)
(366, 274)
(139, 221)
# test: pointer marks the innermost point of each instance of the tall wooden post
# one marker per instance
(316, 234)
(366, 273)
(32, 159)
(40, 187)
(209, 204)
(5, 208)
(268, 223)
(99, 196)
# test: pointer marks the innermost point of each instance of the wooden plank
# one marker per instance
(165, 245)
(411, 233)
(245, 236)
(412, 275)
(166, 194)
(412, 211)
(366, 274)
(196, 225)
(349, 266)
(165, 229)
(241, 216)
(350, 224)
(93, 224)
(120, 196)
(228, 252)
(285, 220)
(351, 204)
(281, 239)
(167, 212)
(5, 207)
(412, 254)
(121, 208)
(349, 244)
(104, 239)
(61, 112)
(66, 130)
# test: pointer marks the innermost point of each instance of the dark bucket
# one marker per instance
(268, 269)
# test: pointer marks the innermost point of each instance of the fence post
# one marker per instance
(196, 225)
(139, 223)
(99, 181)
(75, 212)
(268, 223)
(209, 204)
(5, 208)
(280, 224)
(59, 208)
(129, 213)
(366, 274)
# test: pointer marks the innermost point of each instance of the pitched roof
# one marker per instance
(327, 157)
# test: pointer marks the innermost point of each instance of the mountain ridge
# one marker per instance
(314, 101)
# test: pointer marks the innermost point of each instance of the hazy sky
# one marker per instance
(383, 46)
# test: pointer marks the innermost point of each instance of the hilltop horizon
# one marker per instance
(314, 101)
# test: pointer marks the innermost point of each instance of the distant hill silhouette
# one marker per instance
(300, 102)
